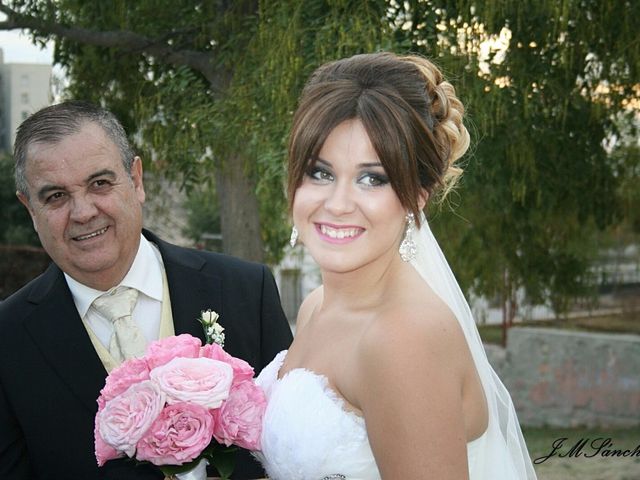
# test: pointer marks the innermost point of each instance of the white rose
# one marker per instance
(209, 317)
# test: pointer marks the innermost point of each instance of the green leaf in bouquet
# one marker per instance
(223, 458)
(171, 470)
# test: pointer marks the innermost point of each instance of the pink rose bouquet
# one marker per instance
(180, 404)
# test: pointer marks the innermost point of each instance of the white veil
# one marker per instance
(503, 454)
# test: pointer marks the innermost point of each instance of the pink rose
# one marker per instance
(241, 369)
(104, 452)
(161, 351)
(197, 380)
(239, 420)
(126, 418)
(179, 435)
(121, 378)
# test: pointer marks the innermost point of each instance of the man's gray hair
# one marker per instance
(52, 124)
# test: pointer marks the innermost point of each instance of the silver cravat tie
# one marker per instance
(127, 340)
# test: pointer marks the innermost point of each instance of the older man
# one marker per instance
(82, 185)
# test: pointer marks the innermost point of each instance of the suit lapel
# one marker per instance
(57, 330)
(191, 290)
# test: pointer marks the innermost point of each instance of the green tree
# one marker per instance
(14, 219)
(540, 181)
(203, 218)
(210, 86)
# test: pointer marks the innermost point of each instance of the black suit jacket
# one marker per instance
(51, 376)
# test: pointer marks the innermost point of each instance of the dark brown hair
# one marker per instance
(412, 116)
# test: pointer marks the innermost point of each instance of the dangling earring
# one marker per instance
(408, 246)
(294, 237)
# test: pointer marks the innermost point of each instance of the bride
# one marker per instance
(387, 376)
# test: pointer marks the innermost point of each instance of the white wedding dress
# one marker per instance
(308, 435)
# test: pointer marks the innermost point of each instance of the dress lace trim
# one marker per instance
(334, 396)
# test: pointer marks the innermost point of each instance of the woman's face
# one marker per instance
(345, 210)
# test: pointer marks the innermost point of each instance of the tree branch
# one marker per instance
(130, 42)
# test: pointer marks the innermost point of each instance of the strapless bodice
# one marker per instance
(308, 434)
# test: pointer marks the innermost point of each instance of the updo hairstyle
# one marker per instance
(411, 114)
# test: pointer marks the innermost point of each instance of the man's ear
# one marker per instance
(25, 201)
(136, 176)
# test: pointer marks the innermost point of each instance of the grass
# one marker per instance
(540, 440)
(491, 333)
(622, 323)
(598, 467)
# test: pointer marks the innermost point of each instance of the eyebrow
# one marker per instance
(360, 165)
(45, 190)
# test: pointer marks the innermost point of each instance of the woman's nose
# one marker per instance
(340, 199)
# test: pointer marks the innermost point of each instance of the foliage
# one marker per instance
(625, 155)
(196, 121)
(203, 217)
(20, 264)
(17, 228)
(292, 39)
(539, 183)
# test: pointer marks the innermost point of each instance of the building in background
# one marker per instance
(297, 275)
(24, 89)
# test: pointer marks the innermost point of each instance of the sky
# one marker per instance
(17, 48)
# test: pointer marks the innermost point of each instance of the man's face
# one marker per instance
(85, 208)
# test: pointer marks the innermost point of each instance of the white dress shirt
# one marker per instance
(145, 275)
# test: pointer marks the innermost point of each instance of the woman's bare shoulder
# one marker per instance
(409, 358)
(308, 306)
(414, 329)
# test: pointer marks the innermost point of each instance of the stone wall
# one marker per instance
(567, 379)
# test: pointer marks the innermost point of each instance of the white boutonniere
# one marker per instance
(213, 331)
